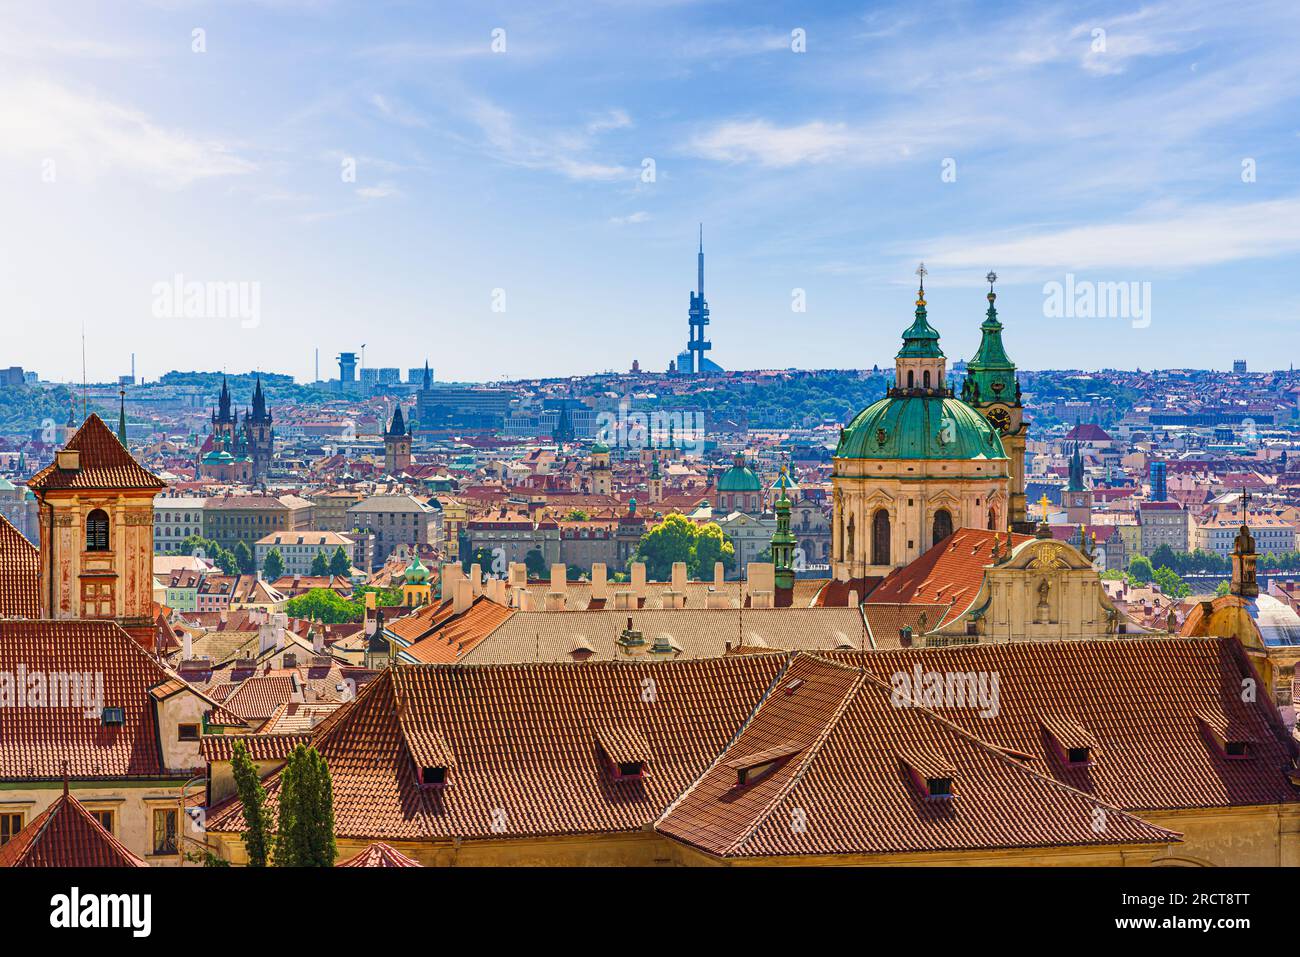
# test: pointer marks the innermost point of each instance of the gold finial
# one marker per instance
(1043, 503)
(922, 272)
(992, 277)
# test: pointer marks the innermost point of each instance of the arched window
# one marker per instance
(97, 531)
(911, 378)
(942, 525)
(993, 519)
(850, 554)
(880, 538)
(927, 378)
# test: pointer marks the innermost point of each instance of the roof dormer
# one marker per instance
(933, 775)
(1074, 745)
(1230, 736)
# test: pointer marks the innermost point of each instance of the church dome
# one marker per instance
(416, 573)
(218, 457)
(920, 427)
(739, 478)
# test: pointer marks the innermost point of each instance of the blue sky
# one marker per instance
(128, 158)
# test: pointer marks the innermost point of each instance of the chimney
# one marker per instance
(638, 579)
(476, 579)
(496, 590)
(318, 641)
(853, 598)
(525, 599)
(187, 647)
(462, 596)
(518, 574)
(675, 599)
(679, 577)
(760, 576)
(599, 585)
(451, 573)
(719, 574)
(558, 581)
(762, 598)
(623, 600)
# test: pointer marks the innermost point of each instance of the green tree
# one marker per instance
(1140, 569)
(1171, 584)
(257, 823)
(226, 560)
(672, 540)
(576, 515)
(340, 564)
(324, 604)
(273, 565)
(536, 563)
(305, 837)
(244, 558)
(481, 556)
(320, 565)
(1222, 588)
(711, 546)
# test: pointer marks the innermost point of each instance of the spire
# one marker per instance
(701, 263)
(920, 339)
(428, 378)
(783, 538)
(121, 416)
(991, 373)
(398, 426)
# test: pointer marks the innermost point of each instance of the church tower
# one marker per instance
(96, 530)
(783, 538)
(1078, 497)
(602, 475)
(260, 436)
(655, 482)
(397, 445)
(992, 388)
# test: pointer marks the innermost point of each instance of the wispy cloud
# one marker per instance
(566, 153)
(1201, 235)
(90, 136)
(640, 216)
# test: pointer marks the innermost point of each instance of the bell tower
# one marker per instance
(991, 387)
(397, 445)
(96, 529)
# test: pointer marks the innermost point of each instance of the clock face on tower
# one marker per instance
(1000, 418)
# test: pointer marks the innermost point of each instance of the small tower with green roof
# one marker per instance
(783, 538)
(991, 387)
(416, 589)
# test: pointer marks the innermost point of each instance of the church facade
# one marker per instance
(918, 464)
(235, 451)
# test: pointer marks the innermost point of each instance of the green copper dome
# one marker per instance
(600, 448)
(416, 573)
(919, 427)
(739, 478)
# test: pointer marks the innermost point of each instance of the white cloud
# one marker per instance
(1196, 236)
(565, 153)
(396, 112)
(759, 141)
(90, 136)
(378, 191)
(640, 216)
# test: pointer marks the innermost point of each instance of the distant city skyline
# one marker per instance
(514, 191)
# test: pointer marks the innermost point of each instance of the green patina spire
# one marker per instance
(990, 374)
(783, 538)
(920, 339)
(121, 417)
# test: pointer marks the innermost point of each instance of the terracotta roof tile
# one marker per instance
(380, 854)
(65, 834)
(35, 741)
(19, 574)
(105, 464)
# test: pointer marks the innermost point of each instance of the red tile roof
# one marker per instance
(105, 464)
(65, 834)
(20, 563)
(37, 738)
(524, 739)
(848, 778)
(261, 747)
(1141, 699)
(949, 573)
(380, 854)
(259, 696)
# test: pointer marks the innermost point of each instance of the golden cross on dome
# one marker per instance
(1043, 503)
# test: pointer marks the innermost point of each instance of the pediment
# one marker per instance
(1049, 555)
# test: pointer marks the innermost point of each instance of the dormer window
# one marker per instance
(434, 777)
(939, 787)
(1232, 738)
(625, 751)
(1073, 744)
(626, 770)
(932, 775)
(114, 716)
(752, 768)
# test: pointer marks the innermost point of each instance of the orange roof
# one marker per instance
(105, 464)
(38, 737)
(259, 696)
(949, 573)
(65, 834)
(20, 562)
(438, 636)
(380, 854)
(831, 760)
